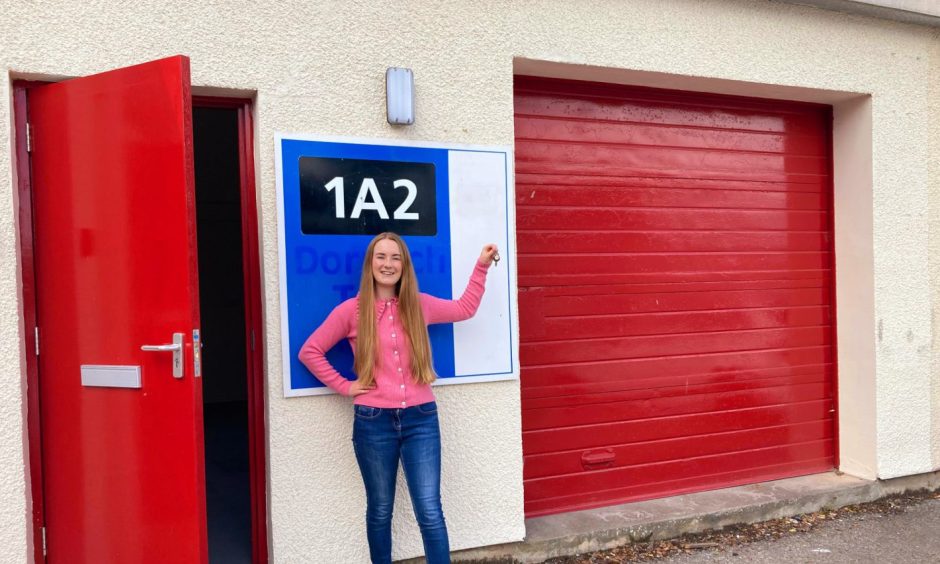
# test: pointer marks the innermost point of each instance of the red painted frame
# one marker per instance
(253, 315)
(834, 309)
(28, 273)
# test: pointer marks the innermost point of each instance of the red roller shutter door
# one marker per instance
(675, 291)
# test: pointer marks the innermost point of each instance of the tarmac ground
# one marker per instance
(902, 528)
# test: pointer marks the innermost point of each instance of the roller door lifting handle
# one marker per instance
(599, 458)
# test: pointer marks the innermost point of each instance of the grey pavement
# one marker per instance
(909, 537)
(591, 530)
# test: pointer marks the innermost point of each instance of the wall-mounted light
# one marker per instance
(400, 96)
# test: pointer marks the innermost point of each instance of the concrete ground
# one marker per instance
(909, 536)
(583, 532)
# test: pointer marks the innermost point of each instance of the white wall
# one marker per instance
(14, 474)
(933, 170)
(855, 286)
(318, 67)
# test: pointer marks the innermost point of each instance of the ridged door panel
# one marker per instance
(675, 291)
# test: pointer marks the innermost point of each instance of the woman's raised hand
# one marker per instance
(489, 251)
(357, 389)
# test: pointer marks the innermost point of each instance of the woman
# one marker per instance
(395, 413)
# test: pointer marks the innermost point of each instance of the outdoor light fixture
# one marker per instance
(400, 96)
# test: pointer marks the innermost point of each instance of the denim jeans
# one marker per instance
(382, 436)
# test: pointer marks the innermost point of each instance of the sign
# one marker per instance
(327, 206)
(447, 201)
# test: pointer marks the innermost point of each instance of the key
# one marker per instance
(496, 259)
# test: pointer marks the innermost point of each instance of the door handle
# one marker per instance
(151, 348)
(176, 348)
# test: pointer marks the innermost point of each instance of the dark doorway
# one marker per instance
(224, 329)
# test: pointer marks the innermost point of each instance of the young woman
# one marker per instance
(395, 413)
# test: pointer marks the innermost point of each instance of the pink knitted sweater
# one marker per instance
(395, 387)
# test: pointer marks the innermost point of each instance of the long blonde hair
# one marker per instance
(409, 310)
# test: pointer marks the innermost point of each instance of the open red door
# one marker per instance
(115, 255)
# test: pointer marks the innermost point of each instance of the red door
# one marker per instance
(115, 245)
(675, 291)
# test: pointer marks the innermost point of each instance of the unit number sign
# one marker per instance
(355, 196)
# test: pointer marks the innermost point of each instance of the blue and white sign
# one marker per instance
(447, 201)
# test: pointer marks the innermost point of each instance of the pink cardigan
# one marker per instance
(394, 385)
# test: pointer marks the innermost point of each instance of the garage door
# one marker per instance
(675, 291)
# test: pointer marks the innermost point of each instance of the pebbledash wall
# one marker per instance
(318, 67)
(933, 188)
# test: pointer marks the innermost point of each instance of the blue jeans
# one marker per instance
(383, 436)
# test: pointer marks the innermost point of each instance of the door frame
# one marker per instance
(28, 277)
(255, 352)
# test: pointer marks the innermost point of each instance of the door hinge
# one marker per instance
(36, 338)
(29, 137)
(252, 339)
(45, 551)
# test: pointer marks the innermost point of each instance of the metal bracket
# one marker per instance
(197, 354)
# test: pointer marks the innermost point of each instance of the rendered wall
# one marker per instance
(933, 170)
(318, 67)
(14, 473)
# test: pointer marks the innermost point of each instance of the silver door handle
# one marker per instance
(176, 348)
(159, 347)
